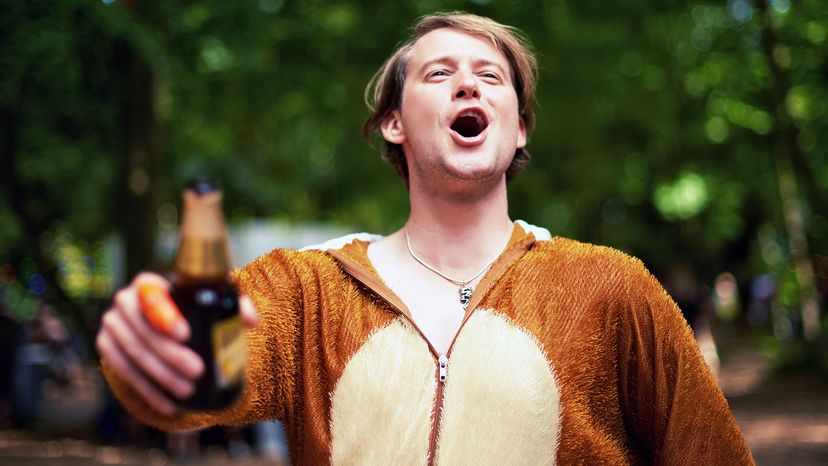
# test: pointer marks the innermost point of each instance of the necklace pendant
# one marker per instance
(465, 295)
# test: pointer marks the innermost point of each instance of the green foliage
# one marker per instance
(20, 303)
(653, 135)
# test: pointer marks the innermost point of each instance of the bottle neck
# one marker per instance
(202, 260)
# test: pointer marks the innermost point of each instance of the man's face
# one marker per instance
(459, 118)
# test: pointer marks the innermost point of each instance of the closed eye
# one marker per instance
(437, 74)
(491, 76)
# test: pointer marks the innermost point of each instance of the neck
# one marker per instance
(459, 234)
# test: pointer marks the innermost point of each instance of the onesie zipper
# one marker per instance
(442, 365)
(442, 375)
(376, 284)
(441, 361)
(437, 411)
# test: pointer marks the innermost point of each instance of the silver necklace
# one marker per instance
(466, 289)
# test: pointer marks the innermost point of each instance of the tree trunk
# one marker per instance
(138, 200)
(786, 151)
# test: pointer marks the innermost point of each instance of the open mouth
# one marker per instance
(469, 123)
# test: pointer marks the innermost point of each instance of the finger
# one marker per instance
(145, 358)
(149, 277)
(158, 307)
(112, 354)
(248, 312)
(175, 355)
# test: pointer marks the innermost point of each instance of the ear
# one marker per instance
(521, 139)
(392, 128)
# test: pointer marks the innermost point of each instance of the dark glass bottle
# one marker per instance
(203, 292)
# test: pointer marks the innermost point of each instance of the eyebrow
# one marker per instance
(453, 61)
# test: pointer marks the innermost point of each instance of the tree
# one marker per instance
(664, 128)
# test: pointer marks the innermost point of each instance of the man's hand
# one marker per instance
(153, 359)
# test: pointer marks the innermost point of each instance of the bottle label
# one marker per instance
(228, 352)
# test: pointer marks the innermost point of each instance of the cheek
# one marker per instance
(511, 120)
(416, 115)
(506, 104)
(412, 98)
(516, 121)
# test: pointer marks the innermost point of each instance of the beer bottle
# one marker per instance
(202, 291)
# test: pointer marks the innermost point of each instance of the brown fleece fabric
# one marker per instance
(634, 388)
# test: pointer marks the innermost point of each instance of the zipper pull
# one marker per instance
(443, 364)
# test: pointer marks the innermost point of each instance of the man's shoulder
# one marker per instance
(342, 241)
(306, 259)
(606, 268)
(560, 249)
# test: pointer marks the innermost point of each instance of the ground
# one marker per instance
(784, 417)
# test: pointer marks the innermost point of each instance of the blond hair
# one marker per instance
(383, 94)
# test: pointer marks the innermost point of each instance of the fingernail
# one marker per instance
(197, 366)
(186, 390)
(181, 331)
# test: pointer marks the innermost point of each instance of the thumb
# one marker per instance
(248, 312)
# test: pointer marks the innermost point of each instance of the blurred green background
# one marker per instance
(691, 134)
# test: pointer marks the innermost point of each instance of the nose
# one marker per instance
(467, 87)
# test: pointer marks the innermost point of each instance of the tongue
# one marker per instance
(466, 126)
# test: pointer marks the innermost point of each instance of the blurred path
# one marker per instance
(784, 419)
(785, 422)
(64, 435)
(25, 448)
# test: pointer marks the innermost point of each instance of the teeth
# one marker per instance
(469, 123)
(474, 114)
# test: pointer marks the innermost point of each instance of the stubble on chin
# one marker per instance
(445, 182)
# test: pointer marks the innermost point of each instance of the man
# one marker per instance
(463, 338)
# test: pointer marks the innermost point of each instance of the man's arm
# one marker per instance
(671, 401)
(147, 369)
